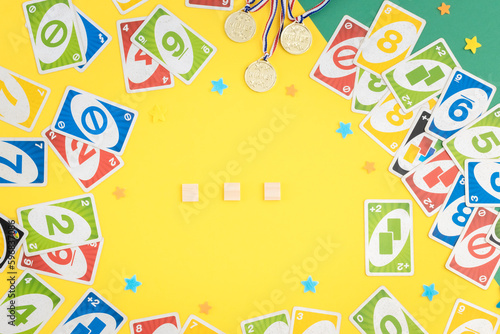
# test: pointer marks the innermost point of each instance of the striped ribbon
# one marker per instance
(274, 8)
(255, 8)
(300, 18)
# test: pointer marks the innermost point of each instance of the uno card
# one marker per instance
(211, 4)
(389, 238)
(493, 236)
(21, 100)
(422, 76)
(166, 323)
(276, 323)
(11, 237)
(478, 140)
(195, 325)
(392, 36)
(417, 146)
(32, 303)
(334, 68)
(94, 120)
(368, 90)
(469, 318)
(60, 224)
(465, 97)
(382, 311)
(482, 182)
(388, 125)
(473, 258)
(92, 314)
(75, 264)
(142, 73)
(430, 181)
(95, 39)
(307, 321)
(173, 44)
(54, 34)
(88, 165)
(452, 216)
(23, 162)
(125, 6)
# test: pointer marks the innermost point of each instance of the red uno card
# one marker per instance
(430, 181)
(472, 257)
(335, 68)
(88, 165)
(75, 264)
(141, 72)
(166, 324)
(211, 4)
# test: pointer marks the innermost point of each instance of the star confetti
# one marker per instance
(218, 86)
(345, 129)
(429, 291)
(309, 285)
(472, 44)
(291, 90)
(369, 166)
(119, 192)
(204, 308)
(132, 284)
(445, 9)
(157, 114)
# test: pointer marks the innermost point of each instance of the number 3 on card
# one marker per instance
(391, 38)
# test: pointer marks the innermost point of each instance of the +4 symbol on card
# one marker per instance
(277, 323)
(468, 318)
(23, 162)
(309, 321)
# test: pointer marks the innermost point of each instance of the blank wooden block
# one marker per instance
(272, 191)
(190, 192)
(231, 191)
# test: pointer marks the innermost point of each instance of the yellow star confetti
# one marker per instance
(472, 44)
(158, 114)
(445, 9)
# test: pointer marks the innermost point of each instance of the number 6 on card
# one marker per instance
(392, 36)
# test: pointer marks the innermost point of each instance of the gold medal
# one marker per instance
(296, 38)
(240, 26)
(260, 76)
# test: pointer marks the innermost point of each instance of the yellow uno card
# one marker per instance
(388, 125)
(195, 325)
(467, 318)
(21, 99)
(310, 321)
(392, 36)
(125, 6)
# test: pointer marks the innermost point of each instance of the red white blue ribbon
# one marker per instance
(300, 18)
(274, 8)
(255, 8)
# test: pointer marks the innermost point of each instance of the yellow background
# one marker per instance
(245, 258)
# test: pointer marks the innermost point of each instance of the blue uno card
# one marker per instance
(94, 38)
(463, 100)
(23, 162)
(453, 216)
(92, 314)
(482, 182)
(94, 120)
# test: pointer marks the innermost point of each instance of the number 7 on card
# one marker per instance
(391, 38)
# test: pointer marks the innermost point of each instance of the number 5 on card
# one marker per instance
(391, 38)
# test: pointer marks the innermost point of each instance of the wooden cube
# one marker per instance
(272, 191)
(231, 191)
(190, 192)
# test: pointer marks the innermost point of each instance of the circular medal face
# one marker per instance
(240, 26)
(260, 76)
(296, 38)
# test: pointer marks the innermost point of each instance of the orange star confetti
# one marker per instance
(369, 167)
(291, 90)
(119, 192)
(157, 114)
(204, 308)
(445, 9)
(472, 44)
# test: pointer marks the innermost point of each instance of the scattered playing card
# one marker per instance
(473, 258)
(468, 318)
(482, 182)
(389, 238)
(334, 68)
(310, 321)
(211, 4)
(23, 162)
(21, 99)
(276, 323)
(125, 6)
(382, 310)
(195, 325)
(11, 238)
(166, 323)
(368, 90)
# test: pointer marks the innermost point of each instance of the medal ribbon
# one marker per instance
(300, 18)
(270, 20)
(255, 8)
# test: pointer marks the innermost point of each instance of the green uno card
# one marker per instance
(54, 34)
(276, 323)
(60, 224)
(28, 304)
(173, 44)
(478, 140)
(389, 238)
(382, 313)
(422, 76)
(368, 90)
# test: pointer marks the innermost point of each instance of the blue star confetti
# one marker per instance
(429, 291)
(132, 284)
(309, 285)
(219, 86)
(345, 129)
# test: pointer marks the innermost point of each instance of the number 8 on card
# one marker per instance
(391, 38)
